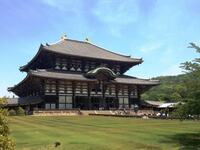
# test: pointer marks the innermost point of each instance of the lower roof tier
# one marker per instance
(44, 74)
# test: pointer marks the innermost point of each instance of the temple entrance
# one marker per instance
(84, 103)
(110, 102)
(50, 102)
(81, 102)
(96, 103)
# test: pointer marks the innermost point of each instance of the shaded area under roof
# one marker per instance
(22, 101)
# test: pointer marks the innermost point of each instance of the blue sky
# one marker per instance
(156, 30)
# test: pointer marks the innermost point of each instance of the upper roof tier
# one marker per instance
(86, 49)
(83, 49)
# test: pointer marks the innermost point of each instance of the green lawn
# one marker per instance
(107, 133)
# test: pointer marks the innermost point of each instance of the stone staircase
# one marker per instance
(56, 113)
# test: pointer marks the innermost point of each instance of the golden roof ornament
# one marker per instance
(87, 40)
(64, 37)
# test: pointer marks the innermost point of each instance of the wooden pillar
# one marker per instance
(57, 94)
(42, 94)
(73, 94)
(117, 99)
(103, 94)
(129, 97)
(89, 98)
(138, 95)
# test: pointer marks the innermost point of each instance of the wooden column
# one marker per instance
(116, 92)
(138, 95)
(43, 93)
(103, 94)
(89, 98)
(73, 94)
(129, 97)
(57, 94)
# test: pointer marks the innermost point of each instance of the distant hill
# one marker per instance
(171, 89)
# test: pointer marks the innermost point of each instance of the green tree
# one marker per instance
(20, 111)
(6, 143)
(192, 83)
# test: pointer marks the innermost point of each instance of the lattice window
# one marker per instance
(125, 90)
(133, 92)
(64, 64)
(96, 89)
(123, 102)
(92, 65)
(69, 87)
(110, 90)
(107, 92)
(58, 64)
(50, 106)
(78, 66)
(84, 88)
(65, 102)
(120, 91)
(65, 88)
(50, 87)
(78, 88)
(61, 89)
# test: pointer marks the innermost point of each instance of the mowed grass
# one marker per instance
(103, 133)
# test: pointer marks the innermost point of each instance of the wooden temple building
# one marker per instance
(74, 74)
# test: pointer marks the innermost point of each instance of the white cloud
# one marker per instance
(116, 15)
(148, 47)
(65, 5)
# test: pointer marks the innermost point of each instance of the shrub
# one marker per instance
(20, 111)
(6, 143)
(12, 112)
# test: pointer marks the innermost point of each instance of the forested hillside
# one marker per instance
(171, 89)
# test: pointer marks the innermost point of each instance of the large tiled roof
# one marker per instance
(82, 49)
(137, 81)
(60, 75)
(73, 76)
(86, 49)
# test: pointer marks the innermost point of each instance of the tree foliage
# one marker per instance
(192, 68)
(171, 89)
(184, 88)
(6, 143)
(20, 111)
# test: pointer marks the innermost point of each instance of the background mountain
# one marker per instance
(171, 89)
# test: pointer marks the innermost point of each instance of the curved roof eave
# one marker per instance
(23, 68)
(21, 82)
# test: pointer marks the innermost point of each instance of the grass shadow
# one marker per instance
(186, 141)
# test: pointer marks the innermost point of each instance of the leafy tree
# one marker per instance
(192, 69)
(6, 143)
(20, 111)
(171, 89)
